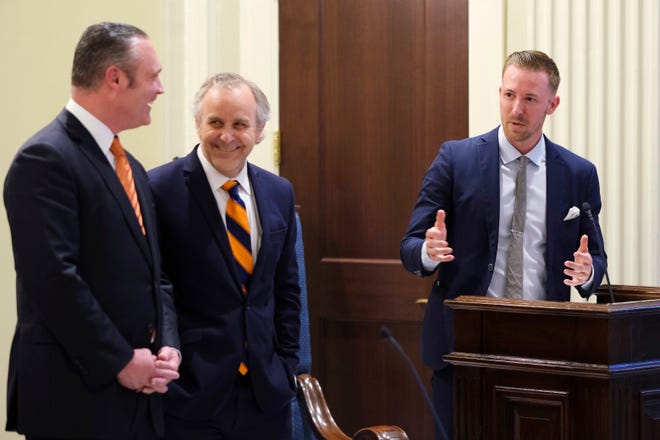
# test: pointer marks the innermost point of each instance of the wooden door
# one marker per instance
(368, 91)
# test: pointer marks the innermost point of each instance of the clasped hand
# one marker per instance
(146, 373)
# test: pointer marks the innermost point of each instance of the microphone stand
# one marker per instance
(387, 334)
(586, 207)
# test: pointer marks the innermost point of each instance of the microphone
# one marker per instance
(586, 207)
(387, 334)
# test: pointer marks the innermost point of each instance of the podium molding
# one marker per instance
(557, 370)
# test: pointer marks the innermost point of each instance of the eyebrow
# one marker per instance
(505, 90)
(213, 117)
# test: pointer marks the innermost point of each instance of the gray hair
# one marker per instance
(103, 45)
(230, 80)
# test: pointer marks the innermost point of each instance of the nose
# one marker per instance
(227, 135)
(159, 87)
(518, 107)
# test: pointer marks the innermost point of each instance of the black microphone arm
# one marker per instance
(586, 207)
(387, 334)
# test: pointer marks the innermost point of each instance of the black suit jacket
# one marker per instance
(219, 326)
(88, 287)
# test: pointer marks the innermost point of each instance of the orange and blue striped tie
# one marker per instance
(238, 231)
(125, 175)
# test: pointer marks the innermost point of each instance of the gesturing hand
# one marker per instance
(580, 269)
(437, 247)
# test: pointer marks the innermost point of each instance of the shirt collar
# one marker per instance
(99, 131)
(217, 179)
(509, 153)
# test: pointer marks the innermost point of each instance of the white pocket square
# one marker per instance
(574, 212)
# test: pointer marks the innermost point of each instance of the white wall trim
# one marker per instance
(204, 37)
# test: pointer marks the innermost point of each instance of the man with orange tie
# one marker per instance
(228, 233)
(96, 342)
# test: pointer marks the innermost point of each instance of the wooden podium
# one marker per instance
(539, 370)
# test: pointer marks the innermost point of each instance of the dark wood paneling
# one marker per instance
(368, 91)
(371, 366)
(372, 56)
(555, 387)
(650, 416)
(300, 127)
(522, 414)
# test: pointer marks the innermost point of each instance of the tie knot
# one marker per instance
(116, 149)
(231, 186)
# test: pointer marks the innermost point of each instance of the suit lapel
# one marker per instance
(146, 202)
(201, 193)
(94, 155)
(264, 208)
(556, 202)
(489, 163)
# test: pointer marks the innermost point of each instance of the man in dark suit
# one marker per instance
(239, 323)
(96, 342)
(462, 224)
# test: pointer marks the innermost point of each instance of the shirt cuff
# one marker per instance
(428, 264)
(590, 281)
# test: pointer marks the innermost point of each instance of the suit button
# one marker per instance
(437, 283)
(490, 268)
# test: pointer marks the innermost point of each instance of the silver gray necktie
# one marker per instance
(514, 267)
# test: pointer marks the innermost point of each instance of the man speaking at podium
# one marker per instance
(499, 215)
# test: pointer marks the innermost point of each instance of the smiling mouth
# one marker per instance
(226, 149)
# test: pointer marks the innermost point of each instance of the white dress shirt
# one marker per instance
(99, 131)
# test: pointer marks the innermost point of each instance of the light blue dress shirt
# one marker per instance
(535, 237)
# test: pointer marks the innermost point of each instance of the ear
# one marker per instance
(112, 76)
(554, 103)
(259, 134)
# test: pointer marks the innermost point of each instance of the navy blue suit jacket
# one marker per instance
(218, 325)
(88, 287)
(464, 181)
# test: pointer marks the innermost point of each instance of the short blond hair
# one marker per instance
(537, 61)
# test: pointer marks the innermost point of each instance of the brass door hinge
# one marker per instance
(277, 148)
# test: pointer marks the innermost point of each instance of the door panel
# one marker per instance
(368, 91)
